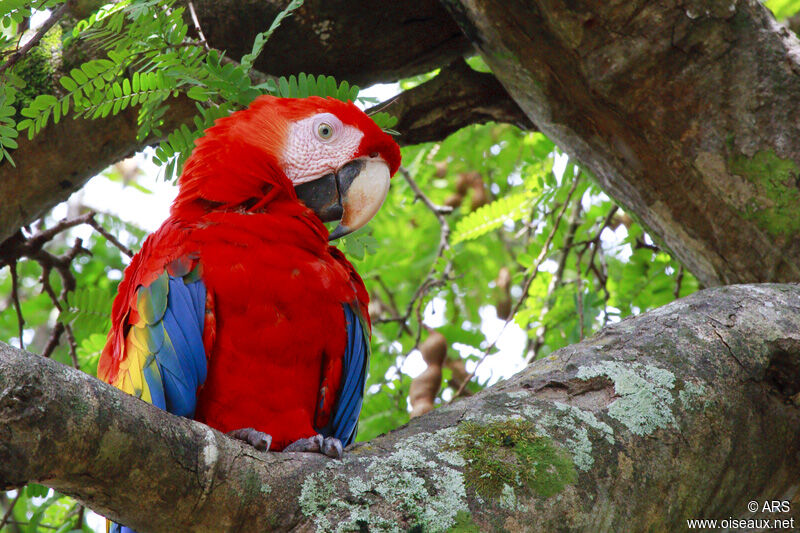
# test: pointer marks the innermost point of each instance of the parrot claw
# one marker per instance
(325, 445)
(311, 444)
(257, 439)
(332, 447)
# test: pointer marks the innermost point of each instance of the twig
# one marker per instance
(73, 347)
(18, 246)
(392, 304)
(596, 239)
(81, 512)
(526, 287)
(678, 282)
(10, 509)
(51, 20)
(640, 243)
(17, 306)
(196, 22)
(110, 238)
(579, 283)
(46, 287)
(54, 340)
(595, 244)
(438, 210)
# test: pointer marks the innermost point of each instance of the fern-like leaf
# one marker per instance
(261, 38)
(89, 309)
(8, 131)
(491, 216)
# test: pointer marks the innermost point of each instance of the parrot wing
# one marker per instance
(344, 417)
(164, 360)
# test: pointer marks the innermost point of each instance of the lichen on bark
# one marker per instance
(421, 481)
(508, 458)
(775, 206)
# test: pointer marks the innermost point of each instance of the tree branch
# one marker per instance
(457, 97)
(636, 426)
(43, 29)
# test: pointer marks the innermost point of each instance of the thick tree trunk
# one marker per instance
(689, 411)
(686, 111)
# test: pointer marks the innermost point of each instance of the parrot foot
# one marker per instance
(325, 445)
(257, 439)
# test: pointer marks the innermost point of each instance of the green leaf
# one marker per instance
(261, 39)
(283, 85)
(302, 85)
(68, 83)
(198, 93)
(491, 216)
(79, 77)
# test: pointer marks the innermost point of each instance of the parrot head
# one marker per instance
(329, 153)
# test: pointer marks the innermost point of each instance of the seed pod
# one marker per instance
(621, 219)
(503, 301)
(434, 349)
(423, 390)
(425, 387)
(441, 169)
(479, 195)
(463, 182)
(454, 200)
(460, 374)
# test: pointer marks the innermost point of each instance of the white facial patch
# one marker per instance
(318, 145)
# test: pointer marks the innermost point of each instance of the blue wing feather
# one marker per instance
(180, 356)
(344, 417)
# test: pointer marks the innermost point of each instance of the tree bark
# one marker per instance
(685, 112)
(689, 411)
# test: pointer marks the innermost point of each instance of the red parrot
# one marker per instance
(237, 312)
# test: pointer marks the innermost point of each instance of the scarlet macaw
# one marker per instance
(237, 312)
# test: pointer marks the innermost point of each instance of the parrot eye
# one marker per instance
(326, 127)
(325, 131)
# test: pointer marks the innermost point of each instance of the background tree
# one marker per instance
(683, 113)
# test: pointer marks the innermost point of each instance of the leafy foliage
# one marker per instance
(149, 60)
(489, 217)
(8, 131)
(13, 12)
(88, 308)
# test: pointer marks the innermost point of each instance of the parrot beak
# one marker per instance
(352, 195)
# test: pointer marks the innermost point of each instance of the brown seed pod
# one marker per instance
(441, 169)
(479, 195)
(503, 300)
(454, 200)
(425, 387)
(434, 349)
(464, 181)
(460, 374)
(423, 390)
(621, 219)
